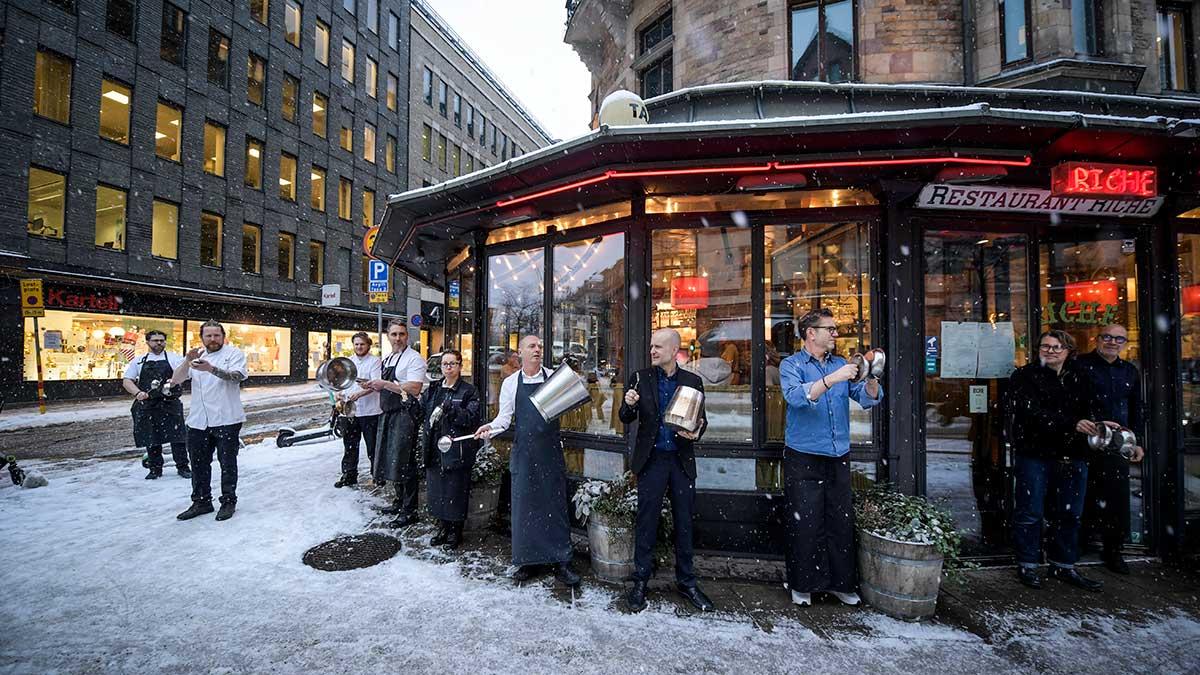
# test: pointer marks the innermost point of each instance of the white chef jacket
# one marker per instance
(410, 367)
(134, 370)
(370, 367)
(216, 402)
(508, 398)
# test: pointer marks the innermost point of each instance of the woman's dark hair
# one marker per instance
(1064, 338)
(811, 319)
(457, 354)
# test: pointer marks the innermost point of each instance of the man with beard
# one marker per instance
(215, 419)
(399, 388)
(365, 422)
(157, 410)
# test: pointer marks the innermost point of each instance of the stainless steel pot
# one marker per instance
(1121, 441)
(683, 410)
(561, 393)
(870, 364)
(336, 374)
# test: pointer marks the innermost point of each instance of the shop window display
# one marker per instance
(86, 346)
(515, 308)
(267, 348)
(460, 310)
(1188, 249)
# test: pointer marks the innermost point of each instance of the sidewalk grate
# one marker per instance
(352, 552)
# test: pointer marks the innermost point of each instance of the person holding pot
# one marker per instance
(541, 531)
(665, 465)
(364, 424)
(399, 388)
(818, 386)
(157, 410)
(452, 409)
(1049, 407)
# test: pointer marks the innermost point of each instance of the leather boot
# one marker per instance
(636, 598)
(196, 509)
(565, 575)
(345, 480)
(442, 536)
(454, 535)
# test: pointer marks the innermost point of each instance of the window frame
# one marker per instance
(182, 41)
(70, 63)
(324, 133)
(288, 6)
(1000, 26)
(131, 35)
(319, 248)
(313, 192)
(369, 148)
(257, 229)
(220, 243)
(320, 27)
(251, 57)
(178, 132)
(346, 187)
(392, 92)
(295, 189)
(288, 78)
(1189, 43)
(348, 64)
(66, 195)
(222, 148)
(174, 205)
(253, 143)
(224, 81)
(290, 272)
(106, 80)
(822, 30)
(442, 96)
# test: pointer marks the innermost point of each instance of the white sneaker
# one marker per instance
(802, 599)
(847, 598)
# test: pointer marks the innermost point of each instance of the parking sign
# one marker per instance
(377, 277)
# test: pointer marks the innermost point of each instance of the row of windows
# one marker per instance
(458, 163)
(52, 99)
(500, 144)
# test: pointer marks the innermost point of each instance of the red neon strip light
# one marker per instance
(756, 168)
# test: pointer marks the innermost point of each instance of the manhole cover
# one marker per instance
(352, 552)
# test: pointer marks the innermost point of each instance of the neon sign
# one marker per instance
(1088, 179)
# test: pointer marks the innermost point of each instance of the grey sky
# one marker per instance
(521, 42)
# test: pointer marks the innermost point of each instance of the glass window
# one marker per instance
(460, 310)
(470, 161)
(470, 121)
(110, 217)
(173, 39)
(251, 248)
(393, 31)
(47, 203)
(504, 146)
(1085, 27)
(441, 152)
(120, 18)
(316, 262)
(218, 59)
(166, 131)
(426, 136)
(164, 234)
(457, 110)
(372, 78)
(660, 29)
(346, 134)
(214, 149)
(393, 92)
(321, 43)
(1174, 35)
(482, 130)
(317, 194)
(442, 97)
(516, 284)
(254, 153)
(291, 22)
(373, 16)
(320, 108)
(291, 94)
(588, 327)
(349, 5)
(92, 346)
(427, 86)
(345, 196)
(389, 154)
(256, 79)
(318, 351)
(455, 159)
(1014, 31)
(701, 287)
(363, 273)
(369, 142)
(823, 41)
(287, 176)
(657, 78)
(495, 136)
(785, 199)
(114, 111)
(267, 348)
(368, 214)
(570, 221)
(258, 10)
(287, 253)
(347, 60)
(52, 87)
(1087, 285)
(210, 239)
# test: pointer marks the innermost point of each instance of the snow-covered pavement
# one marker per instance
(100, 577)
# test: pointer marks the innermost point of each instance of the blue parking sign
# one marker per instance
(378, 271)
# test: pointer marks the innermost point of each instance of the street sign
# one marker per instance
(379, 298)
(369, 239)
(415, 321)
(331, 295)
(31, 298)
(453, 294)
(431, 313)
(377, 278)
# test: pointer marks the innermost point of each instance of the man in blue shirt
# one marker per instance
(816, 465)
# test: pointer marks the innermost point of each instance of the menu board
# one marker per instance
(973, 350)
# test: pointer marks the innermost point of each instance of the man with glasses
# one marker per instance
(365, 422)
(157, 410)
(816, 465)
(1118, 387)
(1050, 408)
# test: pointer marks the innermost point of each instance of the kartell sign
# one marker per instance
(1030, 200)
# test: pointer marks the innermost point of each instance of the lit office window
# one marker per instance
(389, 154)
(210, 239)
(166, 131)
(393, 92)
(372, 78)
(291, 94)
(258, 10)
(164, 231)
(320, 108)
(47, 203)
(368, 207)
(218, 59)
(347, 60)
(345, 196)
(426, 140)
(254, 155)
(52, 86)
(441, 152)
(321, 43)
(214, 149)
(369, 142)
(1174, 36)
(317, 188)
(287, 176)
(346, 135)
(287, 254)
(291, 22)
(114, 111)
(256, 79)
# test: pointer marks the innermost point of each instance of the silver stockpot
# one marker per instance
(870, 364)
(683, 411)
(561, 393)
(1120, 441)
(336, 374)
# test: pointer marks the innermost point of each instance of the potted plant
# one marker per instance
(485, 487)
(609, 508)
(905, 542)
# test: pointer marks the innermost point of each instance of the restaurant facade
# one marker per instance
(948, 226)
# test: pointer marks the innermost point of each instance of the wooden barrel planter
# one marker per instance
(611, 547)
(898, 578)
(482, 506)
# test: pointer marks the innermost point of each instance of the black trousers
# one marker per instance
(662, 476)
(408, 491)
(819, 520)
(362, 428)
(178, 453)
(1106, 510)
(201, 445)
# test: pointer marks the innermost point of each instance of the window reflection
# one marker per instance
(460, 310)
(515, 309)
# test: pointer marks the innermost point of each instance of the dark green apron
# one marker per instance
(541, 533)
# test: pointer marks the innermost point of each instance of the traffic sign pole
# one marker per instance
(37, 349)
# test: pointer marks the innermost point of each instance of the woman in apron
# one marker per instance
(451, 409)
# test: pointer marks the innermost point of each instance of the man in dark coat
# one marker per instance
(157, 410)
(665, 465)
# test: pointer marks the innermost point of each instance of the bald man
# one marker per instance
(665, 465)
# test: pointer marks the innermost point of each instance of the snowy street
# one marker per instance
(101, 577)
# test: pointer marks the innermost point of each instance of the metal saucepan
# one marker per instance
(1120, 441)
(683, 411)
(336, 374)
(870, 364)
(446, 442)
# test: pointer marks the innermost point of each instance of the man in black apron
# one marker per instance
(541, 532)
(157, 410)
(396, 439)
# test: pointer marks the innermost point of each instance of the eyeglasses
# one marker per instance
(832, 329)
(450, 364)
(1115, 339)
(1053, 349)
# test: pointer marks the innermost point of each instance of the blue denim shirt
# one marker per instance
(666, 389)
(820, 427)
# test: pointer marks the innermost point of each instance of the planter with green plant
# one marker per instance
(609, 508)
(485, 487)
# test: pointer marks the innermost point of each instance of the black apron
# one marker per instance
(541, 533)
(448, 474)
(395, 440)
(158, 419)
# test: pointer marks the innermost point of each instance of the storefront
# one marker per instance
(943, 230)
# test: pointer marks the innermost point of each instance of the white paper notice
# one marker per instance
(997, 350)
(979, 398)
(960, 349)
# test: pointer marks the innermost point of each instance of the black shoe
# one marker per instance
(522, 573)
(393, 510)
(695, 596)
(1115, 562)
(1029, 577)
(454, 535)
(404, 520)
(154, 474)
(196, 509)
(185, 473)
(565, 575)
(636, 598)
(441, 537)
(346, 480)
(1072, 577)
(226, 510)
